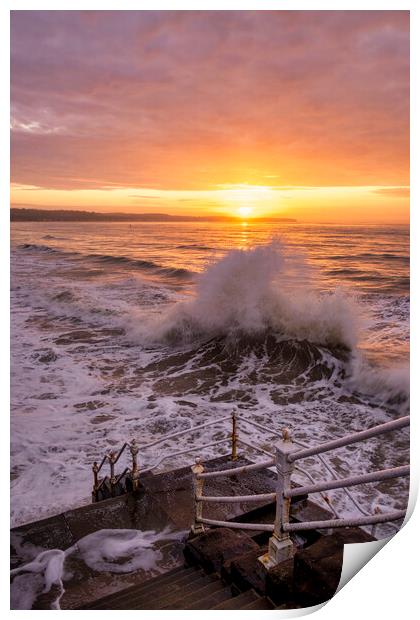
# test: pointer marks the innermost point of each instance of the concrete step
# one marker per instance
(183, 599)
(161, 583)
(210, 602)
(188, 592)
(261, 603)
(163, 595)
(235, 602)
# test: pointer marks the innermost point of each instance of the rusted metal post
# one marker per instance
(234, 454)
(280, 545)
(377, 511)
(112, 479)
(135, 474)
(95, 469)
(198, 485)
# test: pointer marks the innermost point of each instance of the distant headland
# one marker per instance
(64, 215)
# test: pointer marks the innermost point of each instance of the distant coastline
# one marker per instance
(63, 215)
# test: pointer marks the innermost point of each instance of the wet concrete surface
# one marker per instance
(164, 500)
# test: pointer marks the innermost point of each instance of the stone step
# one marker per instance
(183, 599)
(235, 603)
(161, 583)
(158, 597)
(261, 603)
(188, 592)
(212, 600)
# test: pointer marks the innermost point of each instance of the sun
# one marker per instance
(245, 211)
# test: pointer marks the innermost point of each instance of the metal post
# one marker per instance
(95, 469)
(198, 485)
(377, 511)
(134, 449)
(234, 455)
(112, 479)
(280, 545)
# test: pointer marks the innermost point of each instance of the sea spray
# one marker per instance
(249, 292)
(102, 385)
(107, 550)
(389, 387)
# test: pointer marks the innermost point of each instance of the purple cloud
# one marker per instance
(192, 99)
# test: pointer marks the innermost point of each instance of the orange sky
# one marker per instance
(300, 114)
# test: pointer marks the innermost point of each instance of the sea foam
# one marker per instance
(249, 292)
(107, 550)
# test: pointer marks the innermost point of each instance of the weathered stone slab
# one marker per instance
(279, 582)
(246, 572)
(317, 569)
(214, 548)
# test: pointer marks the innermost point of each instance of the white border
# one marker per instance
(386, 586)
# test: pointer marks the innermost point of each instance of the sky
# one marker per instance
(252, 113)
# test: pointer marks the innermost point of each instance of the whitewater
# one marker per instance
(133, 331)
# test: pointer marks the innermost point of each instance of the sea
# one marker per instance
(126, 331)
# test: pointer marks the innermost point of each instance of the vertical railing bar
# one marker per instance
(198, 486)
(95, 470)
(234, 455)
(134, 449)
(280, 545)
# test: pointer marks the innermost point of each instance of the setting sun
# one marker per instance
(245, 211)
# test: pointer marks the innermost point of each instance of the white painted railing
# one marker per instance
(287, 453)
(134, 472)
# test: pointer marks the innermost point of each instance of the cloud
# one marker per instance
(393, 192)
(189, 99)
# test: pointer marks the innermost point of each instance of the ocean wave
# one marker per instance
(252, 292)
(53, 238)
(144, 265)
(155, 268)
(39, 248)
(390, 386)
(193, 246)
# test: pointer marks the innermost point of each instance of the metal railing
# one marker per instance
(133, 472)
(287, 453)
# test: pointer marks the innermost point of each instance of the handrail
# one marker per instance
(161, 439)
(258, 425)
(126, 470)
(376, 476)
(280, 545)
(232, 499)
(237, 470)
(335, 523)
(302, 471)
(184, 432)
(190, 449)
(112, 458)
(256, 448)
(287, 454)
(350, 439)
(104, 460)
(305, 473)
(266, 527)
(319, 456)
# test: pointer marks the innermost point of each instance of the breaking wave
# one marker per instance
(251, 292)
